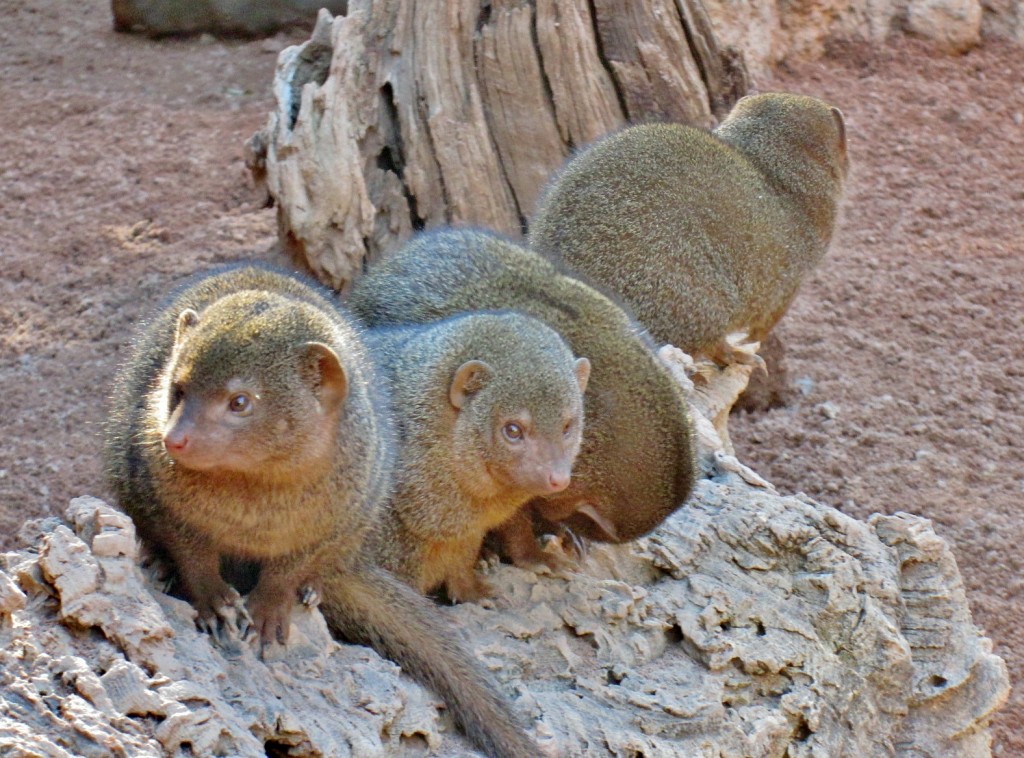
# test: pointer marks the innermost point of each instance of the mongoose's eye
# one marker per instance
(512, 431)
(177, 394)
(567, 428)
(240, 403)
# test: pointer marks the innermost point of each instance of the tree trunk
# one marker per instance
(404, 115)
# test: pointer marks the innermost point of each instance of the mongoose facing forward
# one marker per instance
(489, 408)
(248, 423)
(636, 464)
(702, 234)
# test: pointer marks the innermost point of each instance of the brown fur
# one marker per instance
(296, 484)
(457, 385)
(636, 465)
(702, 233)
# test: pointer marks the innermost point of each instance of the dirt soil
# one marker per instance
(123, 172)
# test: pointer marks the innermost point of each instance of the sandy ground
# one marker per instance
(123, 171)
(906, 341)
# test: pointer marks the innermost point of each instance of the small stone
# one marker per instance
(828, 409)
(953, 25)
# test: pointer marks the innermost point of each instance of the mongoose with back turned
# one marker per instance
(702, 234)
(249, 423)
(636, 465)
(489, 408)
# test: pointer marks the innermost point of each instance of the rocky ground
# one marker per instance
(124, 172)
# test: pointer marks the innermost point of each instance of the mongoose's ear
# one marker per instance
(325, 374)
(841, 126)
(186, 320)
(582, 373)
(470, 377)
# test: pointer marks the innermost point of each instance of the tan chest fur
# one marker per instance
(255, 522)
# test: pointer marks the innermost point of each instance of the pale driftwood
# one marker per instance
(748, 624)
(713, 389)
(405, 115)
(646, 48)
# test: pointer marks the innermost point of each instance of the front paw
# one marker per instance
(222, 614)
(559, 552)
(271, 616)
(565, 546)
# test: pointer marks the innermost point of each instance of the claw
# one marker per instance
(733, 349)
(224, 617)
(160, 572)
(271, 616)
(562, 550)
(576, 543)
(759, 363)
(469, 589)
(309, 597)
(246, 627)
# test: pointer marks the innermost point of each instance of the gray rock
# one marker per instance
(221, 17)
(953, 25)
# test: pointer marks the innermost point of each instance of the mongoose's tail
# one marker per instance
(373, 607)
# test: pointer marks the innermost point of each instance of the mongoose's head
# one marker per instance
(253, 387)
(797, 141)
(518, 402)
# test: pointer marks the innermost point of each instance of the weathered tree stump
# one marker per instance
(405, 115)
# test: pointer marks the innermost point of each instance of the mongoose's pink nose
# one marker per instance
(176, 444)
(559, 480)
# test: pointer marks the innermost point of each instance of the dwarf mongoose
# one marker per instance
(702, 234)
(489, 408)
(636, 465)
